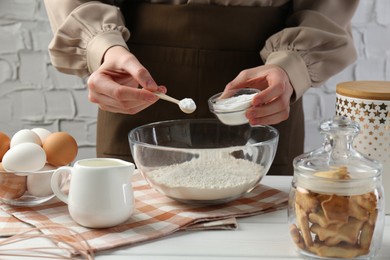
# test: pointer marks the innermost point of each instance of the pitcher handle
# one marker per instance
(56, 180)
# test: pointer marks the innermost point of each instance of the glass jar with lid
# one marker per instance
(336, 205)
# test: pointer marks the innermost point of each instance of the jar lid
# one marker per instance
(375, 90)
(337, 168)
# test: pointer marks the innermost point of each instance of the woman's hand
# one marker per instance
(272, 104)
(122, 84)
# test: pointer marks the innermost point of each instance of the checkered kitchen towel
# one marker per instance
(9, 225)
(155, 216)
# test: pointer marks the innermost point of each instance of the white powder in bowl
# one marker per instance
(234, 103)
(207, 178)
(231, 111)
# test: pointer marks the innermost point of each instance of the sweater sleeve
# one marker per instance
(316, 44)
(83, 32)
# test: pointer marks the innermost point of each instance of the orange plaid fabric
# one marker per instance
(9, 225)
(155, 216)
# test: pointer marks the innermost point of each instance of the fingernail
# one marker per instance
(162, 89)
(250, 114)
(151, 84)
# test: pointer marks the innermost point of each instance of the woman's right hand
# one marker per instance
(122, 84)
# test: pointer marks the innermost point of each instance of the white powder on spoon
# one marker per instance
(207, 178)
(187, 105)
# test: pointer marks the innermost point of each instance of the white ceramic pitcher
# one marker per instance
(100, 191)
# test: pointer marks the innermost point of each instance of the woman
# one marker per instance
(196, 48)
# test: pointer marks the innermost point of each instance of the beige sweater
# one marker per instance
(316, 45)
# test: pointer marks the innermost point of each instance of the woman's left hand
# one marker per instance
(272, 104)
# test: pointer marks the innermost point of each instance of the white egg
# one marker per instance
(24, 157)
(38, 184)
(42, 133)
(48, 167)
(25, 136)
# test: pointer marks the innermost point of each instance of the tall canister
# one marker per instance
(368, 103)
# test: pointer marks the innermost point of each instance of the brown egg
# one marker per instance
(11, 186)
(4, 144)
(61, 148)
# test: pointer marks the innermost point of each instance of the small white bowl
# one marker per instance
(231, 110)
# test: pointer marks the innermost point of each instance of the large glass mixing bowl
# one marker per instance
(202, 161)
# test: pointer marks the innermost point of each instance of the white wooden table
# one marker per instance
(260, 237)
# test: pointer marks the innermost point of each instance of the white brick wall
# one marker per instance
(34, 94)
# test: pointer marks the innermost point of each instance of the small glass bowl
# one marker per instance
(26, 188)
(231, 111)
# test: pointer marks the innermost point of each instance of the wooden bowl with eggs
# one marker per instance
(27, 162)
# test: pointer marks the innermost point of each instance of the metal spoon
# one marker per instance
(187, 105)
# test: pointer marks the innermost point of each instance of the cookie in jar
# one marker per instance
(336, 205)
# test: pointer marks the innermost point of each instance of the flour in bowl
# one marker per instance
(208, 177)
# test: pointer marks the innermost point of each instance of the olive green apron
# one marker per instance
(195, 50)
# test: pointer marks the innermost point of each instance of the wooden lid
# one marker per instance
(375, 90)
